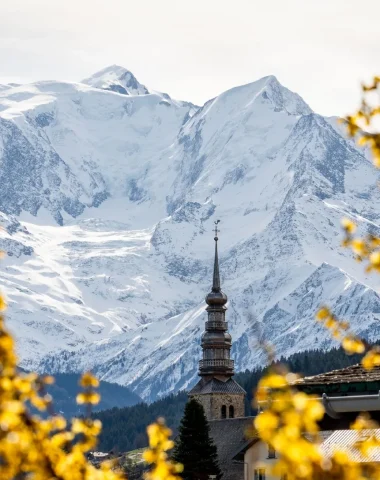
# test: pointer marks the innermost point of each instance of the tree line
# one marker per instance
(124, 429)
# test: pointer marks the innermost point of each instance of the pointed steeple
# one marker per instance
(216, 277)
(216, 298)
(216, 341)
(217, 391)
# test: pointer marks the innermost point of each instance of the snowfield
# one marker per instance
(108, 196)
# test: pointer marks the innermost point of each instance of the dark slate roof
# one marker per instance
(216, 386)
(230, 436)
(353, 374)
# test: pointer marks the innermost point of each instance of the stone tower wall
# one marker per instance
(212, 404)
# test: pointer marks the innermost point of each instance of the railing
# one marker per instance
(216, 363)
(210, 325)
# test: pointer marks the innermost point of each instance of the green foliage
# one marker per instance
(65, 389)
(194, 448)
(124, 429)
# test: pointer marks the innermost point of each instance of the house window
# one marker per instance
(259, 474)
(271, 452)
(231, 411)
(224, 411)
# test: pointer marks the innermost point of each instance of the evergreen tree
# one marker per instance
(194, 447)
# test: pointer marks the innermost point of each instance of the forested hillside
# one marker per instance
(124, 428)
(66, 387)
(304, 363)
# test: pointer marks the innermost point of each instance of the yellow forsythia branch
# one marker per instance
(289, 424)
(38, 448)
(365, 249)
(350, 342)
(156, 455)
(359, 124)
(340, 331)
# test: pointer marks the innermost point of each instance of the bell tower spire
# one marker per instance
(216, 277)
(219, 394)
(216, 341)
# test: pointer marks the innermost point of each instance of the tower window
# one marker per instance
(271, 452)
(231, 412)
(224, 411)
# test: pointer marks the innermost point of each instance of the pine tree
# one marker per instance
(194, 447)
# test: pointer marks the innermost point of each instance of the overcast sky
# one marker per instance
(196, 49)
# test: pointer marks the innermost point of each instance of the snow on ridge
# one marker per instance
(108, 226)
(117, 79)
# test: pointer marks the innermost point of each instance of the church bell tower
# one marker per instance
(219, 394)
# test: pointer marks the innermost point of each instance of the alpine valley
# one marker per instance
(108, 196)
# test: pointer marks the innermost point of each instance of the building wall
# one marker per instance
(257, 457)
(213, 402)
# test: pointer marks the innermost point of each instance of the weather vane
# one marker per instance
(216, 231)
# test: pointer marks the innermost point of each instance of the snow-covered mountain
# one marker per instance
(117, 79)
(108, 201)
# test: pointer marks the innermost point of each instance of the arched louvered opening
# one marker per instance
(224, 411)
(231, 412)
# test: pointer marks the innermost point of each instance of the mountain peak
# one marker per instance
(284, 98)
(117, 79)
(267, 90)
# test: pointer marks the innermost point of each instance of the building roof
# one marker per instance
(230, 436)
(353, 374)
(323, 435)
(214, 385)
(235, 435)
(347, 441)
(252, 438)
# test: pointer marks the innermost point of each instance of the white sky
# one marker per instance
(196, 49)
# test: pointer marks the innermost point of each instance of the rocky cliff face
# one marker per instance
(108, 200)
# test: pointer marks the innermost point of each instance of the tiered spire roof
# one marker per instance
(216, 341)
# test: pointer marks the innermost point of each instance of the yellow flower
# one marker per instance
(47, 380)
(344, 325)
(3, 304)
(149, 456)
(300, 400)
(359, 247)
(314, 410)
(273, 380)
(371, 359)
(348, 225)
(58, 422)
(92, 398)
(374, 258)
(331, 323)
(353, 345)
(362, 422)
(38, 403)
(323, 313)
(88, 380)
(266, 420)
(159, 442)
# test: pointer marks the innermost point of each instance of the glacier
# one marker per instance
(109, 191)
